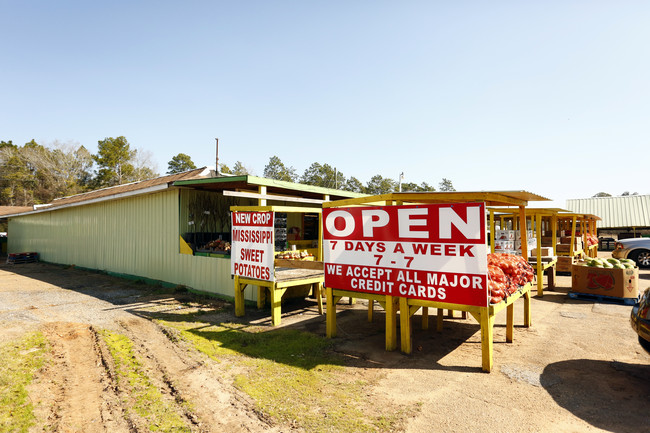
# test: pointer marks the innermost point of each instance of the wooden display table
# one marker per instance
(483, 315)
(284, 278)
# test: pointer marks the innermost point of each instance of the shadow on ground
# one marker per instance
(607, 405)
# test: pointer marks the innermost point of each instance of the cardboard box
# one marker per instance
(547, 241)
(504, 235)
(504, 247)
(567, 240)
(617, 283)
(566, 248)
(564, 264)
(546, 251)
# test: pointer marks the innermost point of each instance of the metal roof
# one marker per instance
(615, 212)
(251, 183)
(491, 198)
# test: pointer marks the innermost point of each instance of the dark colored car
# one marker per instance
(640, 319)
(637, 249)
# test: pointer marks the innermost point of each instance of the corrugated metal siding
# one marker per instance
(616, 212)
(135, 236)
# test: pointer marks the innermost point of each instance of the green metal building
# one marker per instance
(154, 229)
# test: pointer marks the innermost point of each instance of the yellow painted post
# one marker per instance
(262, 190)
(405, 325)
(239, 298)
(573, 237)
(319, 251)
(318, 292)
(554, 230)
(527, 319)
(330, 315)
(510, 322)
(487, 323)
(522, 230)
(371, 309)
(491, 231)
(276, 304)
(391, 323)
(425, 317)
(540, 265)
(439, 319)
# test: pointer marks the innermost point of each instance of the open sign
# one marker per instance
(434, 252)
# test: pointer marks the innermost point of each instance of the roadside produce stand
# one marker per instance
(577, 238)
(260, 257)
(420, 250)
(543, 222)
(590, 235)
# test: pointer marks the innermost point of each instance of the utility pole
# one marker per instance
(401, 176)
(216, 168)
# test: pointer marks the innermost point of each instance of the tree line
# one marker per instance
(37, 174)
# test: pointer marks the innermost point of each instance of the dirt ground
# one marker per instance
(579, 368)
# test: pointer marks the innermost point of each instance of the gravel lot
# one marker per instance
(579, 368)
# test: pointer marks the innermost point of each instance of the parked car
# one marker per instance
(640, 320)
(637, 249)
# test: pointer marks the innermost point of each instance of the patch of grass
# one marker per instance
(293, 376)
(146, 400)
(19, 361)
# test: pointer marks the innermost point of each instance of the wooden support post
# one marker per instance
(405, 326)
(391, 323)
(425, 318)
(527, 319)
(318, 292)
(276, 304)
(463, 315)
(239, 298)
(371, 310)
(487, 323)
(550, 276)
(330, 315)
(261, 297)
(439, 319)
(510, 322)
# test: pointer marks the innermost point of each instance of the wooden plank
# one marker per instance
(299, 264)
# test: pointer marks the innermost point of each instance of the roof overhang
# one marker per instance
(491, 198)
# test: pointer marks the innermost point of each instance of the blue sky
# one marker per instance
(550, 97)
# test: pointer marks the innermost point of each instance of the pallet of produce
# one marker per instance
(606, 277)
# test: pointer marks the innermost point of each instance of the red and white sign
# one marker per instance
(435, 252)
(252, 245)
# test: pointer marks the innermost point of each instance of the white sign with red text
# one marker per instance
(252, 246)
(435, 252)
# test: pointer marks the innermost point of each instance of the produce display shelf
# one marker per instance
(483, 315)
(286, 272)
(284, 278)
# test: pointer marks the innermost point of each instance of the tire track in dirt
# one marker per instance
(214, 404)
(74, 392)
